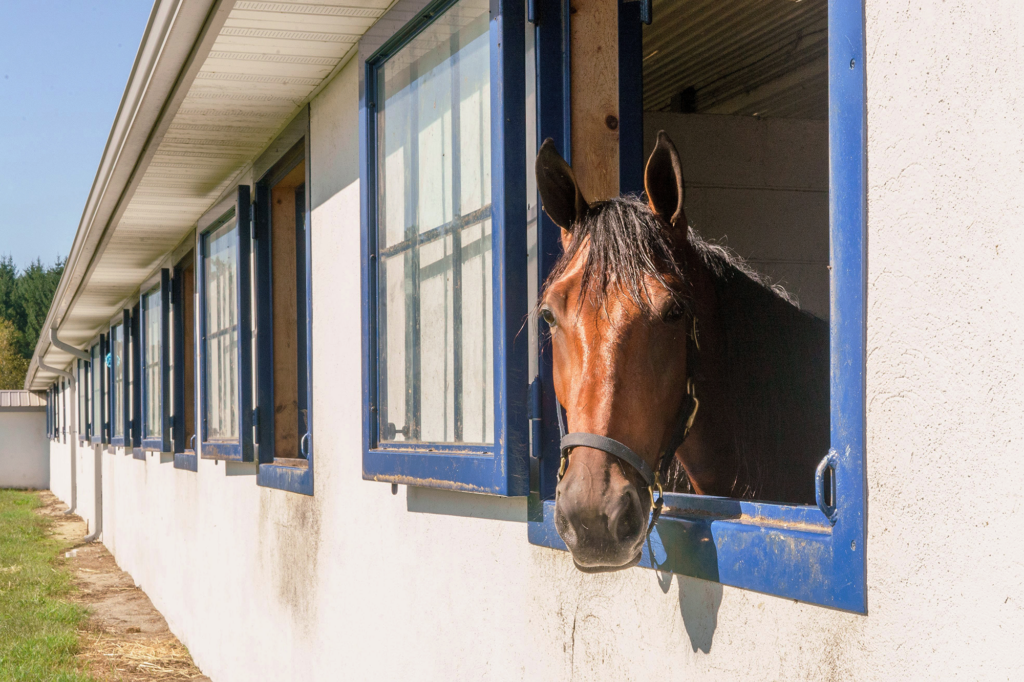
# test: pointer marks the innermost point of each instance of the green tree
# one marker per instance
(10, 301)
(13, 365)
(36, 286)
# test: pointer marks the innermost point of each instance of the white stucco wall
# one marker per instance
(24, 462)
(355, 583)
(60, 470)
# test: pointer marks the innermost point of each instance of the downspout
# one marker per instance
(82, 355)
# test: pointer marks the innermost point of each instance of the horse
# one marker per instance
(665, 345)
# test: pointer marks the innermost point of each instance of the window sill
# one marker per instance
(291, 474)
(186, 461)
(784, 550)
(228, 452)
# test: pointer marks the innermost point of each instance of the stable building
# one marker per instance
(297, 383)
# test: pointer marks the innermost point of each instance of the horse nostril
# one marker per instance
(628, 522)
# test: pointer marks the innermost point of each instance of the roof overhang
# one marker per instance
(213, 84)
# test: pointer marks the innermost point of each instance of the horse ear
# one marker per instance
(559, 193)
(663, 180)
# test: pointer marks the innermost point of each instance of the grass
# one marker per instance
(38, 639)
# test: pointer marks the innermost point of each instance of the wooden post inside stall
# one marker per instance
(594, 96)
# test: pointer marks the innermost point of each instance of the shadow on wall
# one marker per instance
(699, 601)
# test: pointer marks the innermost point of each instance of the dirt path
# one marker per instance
(125, 638)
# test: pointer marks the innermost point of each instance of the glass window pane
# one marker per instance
(117, 360)
(220, 274)
(151, 364)
(434, 233)
(96, 376)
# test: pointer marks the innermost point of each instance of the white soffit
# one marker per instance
(265, 63)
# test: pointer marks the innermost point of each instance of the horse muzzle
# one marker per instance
(603, 526)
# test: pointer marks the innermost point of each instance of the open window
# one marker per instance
(225, 330)
(183, 373)
(97, 374)
(444, 247)
(283, 325)
(154, 328)
(765, 102)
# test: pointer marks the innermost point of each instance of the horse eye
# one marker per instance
(547, 316)
(674, 314)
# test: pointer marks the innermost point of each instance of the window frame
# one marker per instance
(806, 553)
(285, 475)
(124, 320)
(239, 203)
(160, 442)
(97, 374)
(185, 456)
(501, 468)
(82, 368)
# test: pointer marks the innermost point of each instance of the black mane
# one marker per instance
(627, 244)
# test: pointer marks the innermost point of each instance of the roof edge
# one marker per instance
(174, 45)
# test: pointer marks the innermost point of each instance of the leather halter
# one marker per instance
(652, 478)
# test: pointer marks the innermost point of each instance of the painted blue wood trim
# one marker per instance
(186, 461)
(136, 387)
(117, 442)
(288, 478)
(263, 285)
(505, 470)
(165, 361)
(103, 375)
(552, 55)
(470, 473)
(243, 211)
(782, 550)
(219, 450)
(153, 445)
(270, 475)
(848, 244)
(308, 237)
(401, 448)
(263, 281)
(178, 378)
(241, 450)
(508, 222)
(126, 394)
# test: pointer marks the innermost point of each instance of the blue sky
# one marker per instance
(63, 68)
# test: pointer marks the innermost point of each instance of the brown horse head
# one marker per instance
(631, 285)
(616, 305)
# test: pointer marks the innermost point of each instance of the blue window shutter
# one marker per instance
(243, 209)
(501, 468)
(165, 360)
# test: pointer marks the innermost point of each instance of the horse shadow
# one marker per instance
(699, 601)
(686, 548)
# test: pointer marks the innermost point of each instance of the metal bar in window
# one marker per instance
(456, 257)
(412, 270)
(422, 238)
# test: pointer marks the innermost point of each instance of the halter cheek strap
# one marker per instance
(653, 479)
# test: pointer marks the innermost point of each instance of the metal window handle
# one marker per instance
(304, 445)
(192, 443)
(828, 462)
